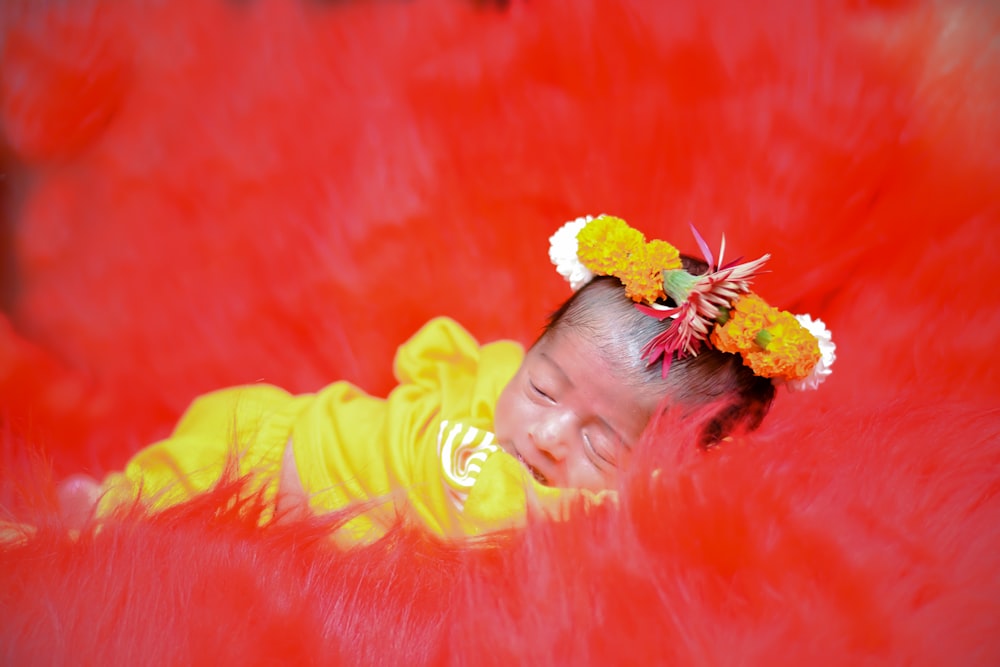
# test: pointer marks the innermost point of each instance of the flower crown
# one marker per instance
(715, 309)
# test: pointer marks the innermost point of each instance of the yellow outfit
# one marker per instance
(426, 452)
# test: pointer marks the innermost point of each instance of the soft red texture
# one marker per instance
(203, 193)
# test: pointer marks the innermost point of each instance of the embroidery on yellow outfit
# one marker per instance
(463, 450)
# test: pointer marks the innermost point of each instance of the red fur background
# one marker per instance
(201, 193)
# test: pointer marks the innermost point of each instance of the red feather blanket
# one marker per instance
(201, 193)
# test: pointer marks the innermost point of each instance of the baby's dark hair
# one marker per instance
(602, 312)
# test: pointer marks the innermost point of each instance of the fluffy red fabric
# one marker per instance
(204, 193)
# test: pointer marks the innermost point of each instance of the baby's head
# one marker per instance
(583, 395)
(589, 386)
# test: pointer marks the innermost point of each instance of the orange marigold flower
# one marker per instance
(790, 351)
(606, 245)
(643, 288)
(643, 281)
(748, 315)
(643, 277)
(663, 256)
(771, 342)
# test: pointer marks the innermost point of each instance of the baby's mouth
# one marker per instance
(535, 472)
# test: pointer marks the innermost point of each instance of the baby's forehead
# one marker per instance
(607, 345)
(613, 363)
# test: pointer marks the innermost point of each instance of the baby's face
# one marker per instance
(568, 416)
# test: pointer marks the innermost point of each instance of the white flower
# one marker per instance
(827, 350)
(563, 253)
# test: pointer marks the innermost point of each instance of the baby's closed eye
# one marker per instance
(599, 450)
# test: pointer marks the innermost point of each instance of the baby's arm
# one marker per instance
(241, 430)
(292, 500)
(77, 496)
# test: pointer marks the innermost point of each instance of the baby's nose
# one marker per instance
(554, 436)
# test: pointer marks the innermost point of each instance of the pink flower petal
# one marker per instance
(706, 253)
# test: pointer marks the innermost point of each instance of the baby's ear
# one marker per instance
(730, 421)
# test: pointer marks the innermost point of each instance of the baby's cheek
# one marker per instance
(585, 476)
(513, 407)
(505, 416)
